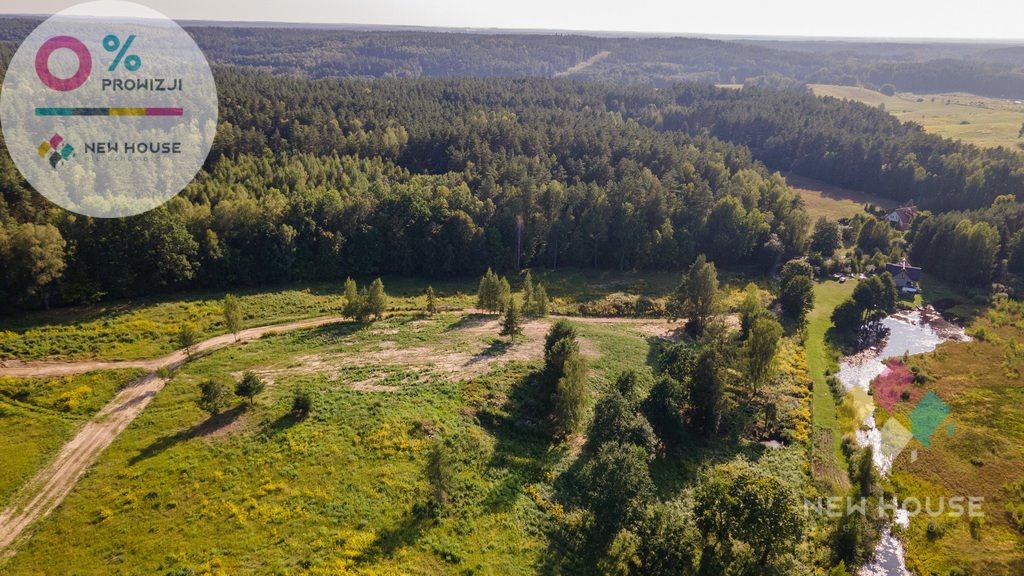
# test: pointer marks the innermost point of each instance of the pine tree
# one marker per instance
(487, 293)
(540, 297)
(512, 325)
(504, 295)
(362, 307)
(529, 303)
(213, 396)
(431, 301)
(570, 397)
(249, 386)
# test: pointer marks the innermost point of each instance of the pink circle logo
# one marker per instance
(43, 63)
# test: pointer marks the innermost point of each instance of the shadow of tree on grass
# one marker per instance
(207, 427)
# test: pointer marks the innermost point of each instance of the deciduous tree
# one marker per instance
(213, 396)
(233, 314)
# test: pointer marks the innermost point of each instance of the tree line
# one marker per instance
(323, 180)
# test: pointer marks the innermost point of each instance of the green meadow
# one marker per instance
(989, 122)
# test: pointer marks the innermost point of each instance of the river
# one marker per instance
(913, 332)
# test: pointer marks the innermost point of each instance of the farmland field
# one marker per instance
(979, 120)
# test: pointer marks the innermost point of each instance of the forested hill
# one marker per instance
(990, 70)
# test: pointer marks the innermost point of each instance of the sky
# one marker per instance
(963, 19)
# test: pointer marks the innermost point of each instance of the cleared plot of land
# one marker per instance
(832, 202)
(979, 120)
(259, 491)
(145, 329)
(49, 488)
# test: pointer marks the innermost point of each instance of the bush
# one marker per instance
(213, 396)
(302, 403)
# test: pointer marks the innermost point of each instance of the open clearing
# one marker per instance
(393, 358)
(832, 202)
(979, 120)
(49, 488)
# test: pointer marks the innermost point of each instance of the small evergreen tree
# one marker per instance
(487, 293)
(528, 295)
(570, 397)
(512, 324)
(362, 307)
(353, 304)
(431, 301)
(249, 386)
(504, 295)
(554, 358)
(302, 403)
(540, 296)
(233, 314)
(440, 473)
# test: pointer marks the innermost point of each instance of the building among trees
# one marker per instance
(905, 276)
(902, 218)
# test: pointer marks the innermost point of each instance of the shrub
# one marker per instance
(213, 396)
(302, 403)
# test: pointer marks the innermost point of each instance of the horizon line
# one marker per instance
(567, 31)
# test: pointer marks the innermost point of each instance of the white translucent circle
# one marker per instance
(118, 142)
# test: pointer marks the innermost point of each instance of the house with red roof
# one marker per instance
(902, 218)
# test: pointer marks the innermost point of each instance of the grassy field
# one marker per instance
(146, 328)
(832, 202)
(989, 122)
(37, 416)
(257, 490)
(981, 381)
(827, 458)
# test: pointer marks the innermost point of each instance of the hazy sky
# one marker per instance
(989, 19)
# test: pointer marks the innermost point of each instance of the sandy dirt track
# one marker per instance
(51, 485)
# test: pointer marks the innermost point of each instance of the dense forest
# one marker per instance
(313, 179)
(849, 144)
(989, 70)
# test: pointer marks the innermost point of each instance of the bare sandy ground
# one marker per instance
(453, 357)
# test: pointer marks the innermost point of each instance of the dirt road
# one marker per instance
(46, 368)
(49, 488)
